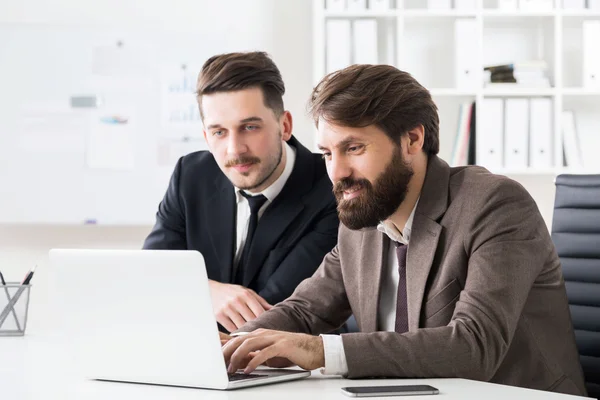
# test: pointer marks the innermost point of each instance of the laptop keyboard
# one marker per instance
(238, 376)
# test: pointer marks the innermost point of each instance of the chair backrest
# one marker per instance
(576, 235)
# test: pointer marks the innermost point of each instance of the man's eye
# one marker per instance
(218, 133)
(354, 149)
(251, 127)
(326, 156)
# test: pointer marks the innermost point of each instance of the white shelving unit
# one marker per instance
(424, 45)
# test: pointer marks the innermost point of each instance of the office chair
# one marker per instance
(576, 235)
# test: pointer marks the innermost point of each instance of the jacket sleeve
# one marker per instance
(168, 232)
(318, 305)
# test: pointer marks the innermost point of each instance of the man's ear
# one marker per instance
(287, 125)
(416, 139)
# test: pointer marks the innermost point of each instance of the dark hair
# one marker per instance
(237, 71)
(381, 95)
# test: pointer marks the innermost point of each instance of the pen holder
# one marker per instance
(14, 304)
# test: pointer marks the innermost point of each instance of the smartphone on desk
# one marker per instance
(378, 391)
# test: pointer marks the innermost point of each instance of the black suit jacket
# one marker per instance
(293, 235)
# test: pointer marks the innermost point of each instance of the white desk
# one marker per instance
(30, 369)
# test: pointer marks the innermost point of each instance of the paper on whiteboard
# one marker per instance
(52, 130)
(179, 105)
(110, 143)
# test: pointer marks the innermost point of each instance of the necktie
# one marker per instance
(255, 202)
(401, 325)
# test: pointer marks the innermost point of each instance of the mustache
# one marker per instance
(242, 161)
(348, 183)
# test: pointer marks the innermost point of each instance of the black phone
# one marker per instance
(376, 391)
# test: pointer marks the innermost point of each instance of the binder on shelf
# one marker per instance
(573, 4)
(593, 4)
(380, 5)
(536, 5)
(364, 41)
(540, 132)
(465, 53)
(460, 152)
(472, 150)
(356, 5)
(465, 5)
(516, 133)
(335, 5)
(527, 5)
(337, 44)
(591, 56)
(489, 143)
(507, 5)
(439, 4)
(571, 145)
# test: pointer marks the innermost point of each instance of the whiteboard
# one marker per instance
(63, 165)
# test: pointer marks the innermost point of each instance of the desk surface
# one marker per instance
(31, 369)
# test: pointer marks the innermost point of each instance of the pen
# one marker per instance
(13, 301)
(29, 276)
(8, 297)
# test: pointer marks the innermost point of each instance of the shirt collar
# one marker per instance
(393, 233)
(276, 187)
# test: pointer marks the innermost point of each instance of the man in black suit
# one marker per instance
(259, 205)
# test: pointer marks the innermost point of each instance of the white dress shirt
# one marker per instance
(335, 357)
(243, 208)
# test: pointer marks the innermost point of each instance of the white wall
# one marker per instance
(283, 26)
(542, 190)
(22, 247)
(286, 26)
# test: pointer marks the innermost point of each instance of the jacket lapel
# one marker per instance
(281, 212)
(374, 248)
(421, 251)
(425, 235)
(220, 217)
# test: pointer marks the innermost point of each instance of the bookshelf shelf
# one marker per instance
(424, 13)
(576, 91)
(408, 13)
(516, 14)
(360, 14)
(454, 13)
(426, 43)
(517, 92)
(579, 13)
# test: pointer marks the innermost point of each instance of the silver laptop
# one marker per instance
(144, 316)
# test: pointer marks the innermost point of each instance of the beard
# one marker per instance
(379, 200)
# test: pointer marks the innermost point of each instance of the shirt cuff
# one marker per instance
(335, 357)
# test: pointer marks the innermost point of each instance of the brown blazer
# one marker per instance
(486, 296)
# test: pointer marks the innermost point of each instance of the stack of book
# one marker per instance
(524, 74)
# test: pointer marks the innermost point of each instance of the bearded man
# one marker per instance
(450, 272)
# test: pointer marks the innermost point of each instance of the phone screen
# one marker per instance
(389, 390)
